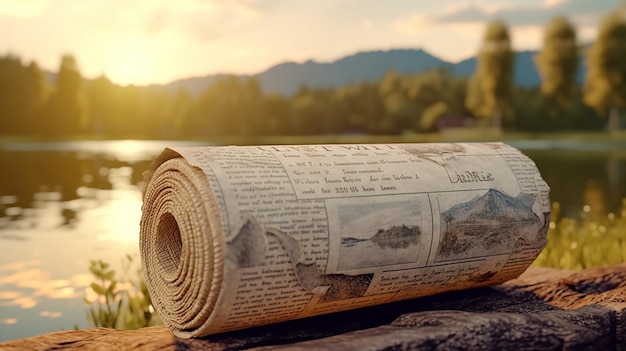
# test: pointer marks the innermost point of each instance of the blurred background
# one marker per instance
(91, 92)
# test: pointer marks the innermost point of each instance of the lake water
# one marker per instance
(63, 204)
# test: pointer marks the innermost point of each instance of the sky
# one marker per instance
(158, 41)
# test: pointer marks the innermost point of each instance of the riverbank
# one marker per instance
(450, 135)
(544, 309)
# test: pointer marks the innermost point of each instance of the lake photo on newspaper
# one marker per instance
(63, 204)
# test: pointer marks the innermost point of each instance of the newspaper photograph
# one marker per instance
(239, 236)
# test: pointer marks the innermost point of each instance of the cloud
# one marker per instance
(464, 21)
(157, 20)
(477, 12)
(366, 24)
(208, 21)
(242, 8)
(79, 8)
(23, 8)
(586, 34)
(553, 3)
(412, 24)
(471, 11)
(203, 19)
(462, 15)
(527, 37)
(524, 15)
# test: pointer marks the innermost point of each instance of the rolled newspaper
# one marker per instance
(239, 236)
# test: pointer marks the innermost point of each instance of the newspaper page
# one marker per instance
(302, 230)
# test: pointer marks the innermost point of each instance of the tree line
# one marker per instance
(397, 103)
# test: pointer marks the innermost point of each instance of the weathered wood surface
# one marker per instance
(544, 309)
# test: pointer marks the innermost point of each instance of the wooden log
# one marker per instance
(544, 309)
(98, 339)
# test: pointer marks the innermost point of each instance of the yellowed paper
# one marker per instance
(240, 236)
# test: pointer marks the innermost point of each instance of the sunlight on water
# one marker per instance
(25, 285)
(8, 321)
(121, 150)
(63, 204)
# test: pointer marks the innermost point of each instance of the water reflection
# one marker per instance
(24, 282)
(580, 178)
(61, 205)
(33, 183)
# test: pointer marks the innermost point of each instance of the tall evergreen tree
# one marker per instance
(605, 86)
(102, 105)
(22, 91)
(67, 110)
(558, 62)
(489, 89)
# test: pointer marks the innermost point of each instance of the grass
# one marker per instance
(591, 241)
(119, 303)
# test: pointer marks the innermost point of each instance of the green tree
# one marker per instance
(22, 92)
(432, 114)
(399, 111)
(229, 106)
(558, 63)
(154, 119)
(102, 105)
(39, 89)
(67, 105)
(127, 116)
(314, 112)
(252, 121)
(277, 115)
(489, 90)
(530, 109)
(179, 113)
(605, 85)
(435, 93)
(361, 106)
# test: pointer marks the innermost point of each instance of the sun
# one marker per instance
(131, 63)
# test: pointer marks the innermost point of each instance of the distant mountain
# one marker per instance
(490, 224)
(195, 85)
(369, 66)
(286, 78)
(494, 205)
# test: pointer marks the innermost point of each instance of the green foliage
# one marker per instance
(362, 107)
(395, 104)
(312, 112)
(489, 92)
(605, 86)
(66, 111)
(122, 303)
(432, 114)
(590, 241)
(558, 63)
(415, 102)
(230, 106)
(23, 91)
